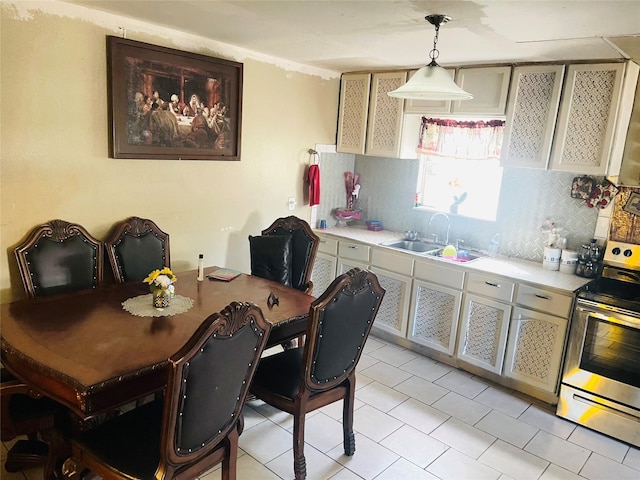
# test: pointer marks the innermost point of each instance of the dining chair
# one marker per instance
(304, 246)
(25, 413)
(303, 379)
(136, 247)
(196, 424)
(59, 257)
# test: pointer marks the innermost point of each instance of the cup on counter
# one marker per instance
(551, 258)
(568, 261)
(323, 224)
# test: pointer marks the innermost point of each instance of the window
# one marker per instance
(465, 187)
(460, 169)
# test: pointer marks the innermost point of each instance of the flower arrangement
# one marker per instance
(161, 281)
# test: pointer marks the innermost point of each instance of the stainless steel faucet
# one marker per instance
(445, 216)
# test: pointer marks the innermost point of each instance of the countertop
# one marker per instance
(513, 268)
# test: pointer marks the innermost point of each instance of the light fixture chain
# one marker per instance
(435, 53)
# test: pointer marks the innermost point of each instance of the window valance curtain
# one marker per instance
(459, 139)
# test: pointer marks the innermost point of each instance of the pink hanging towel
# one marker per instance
(313, 178)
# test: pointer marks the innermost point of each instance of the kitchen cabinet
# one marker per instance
(435, 306)
(537, 336)
(351, 255)
(324, 267)
(588, 111)
(394, 274)
(485, 321)
(489, 87)
(369, 120)
(353, 112)
(531, 116)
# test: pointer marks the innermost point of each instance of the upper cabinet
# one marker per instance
(584, 131)
(531, 115)
(352, 117)
(432, 107)
(489, 87)
(369, 120)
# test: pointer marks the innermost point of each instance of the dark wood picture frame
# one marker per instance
(172, 105)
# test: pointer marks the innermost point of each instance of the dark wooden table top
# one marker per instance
(86, 351)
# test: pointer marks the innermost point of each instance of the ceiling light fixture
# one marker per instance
(432, 82)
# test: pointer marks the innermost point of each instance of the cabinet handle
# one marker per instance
(497, 285)
(352, 246)
(323, 241)
(542, 297)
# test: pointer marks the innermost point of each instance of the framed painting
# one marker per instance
(172, 105)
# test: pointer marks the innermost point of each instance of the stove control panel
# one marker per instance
(625, 255)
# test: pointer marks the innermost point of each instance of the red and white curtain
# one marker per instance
(459, 139)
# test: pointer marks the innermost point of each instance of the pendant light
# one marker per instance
(432, 82)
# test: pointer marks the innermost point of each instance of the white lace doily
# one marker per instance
(142, 306)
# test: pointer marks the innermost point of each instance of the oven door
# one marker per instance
(603, 354)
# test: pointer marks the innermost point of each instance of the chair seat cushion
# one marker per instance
(128, 443)
(280, 373)
(271, 257)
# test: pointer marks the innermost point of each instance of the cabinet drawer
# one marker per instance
(544, 300)
(328, 245)
(402, 264)
(492, 287)
(432, 272)
(354, 251)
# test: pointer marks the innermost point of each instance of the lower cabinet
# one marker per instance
(324, 272)
(394, 309)
(483, 332)
(433, 321)
(535, 348)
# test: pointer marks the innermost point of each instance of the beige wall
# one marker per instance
(54, 144)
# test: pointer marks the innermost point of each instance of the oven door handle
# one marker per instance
(608, 313)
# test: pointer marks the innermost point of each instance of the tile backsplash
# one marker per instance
(527, 198)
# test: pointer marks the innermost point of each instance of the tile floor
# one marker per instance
(419, 419)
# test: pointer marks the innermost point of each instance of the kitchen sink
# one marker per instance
(411, 245)
(467, 257)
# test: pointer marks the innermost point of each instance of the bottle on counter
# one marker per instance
(201, 267)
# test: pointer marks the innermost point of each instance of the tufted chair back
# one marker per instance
(59, 257)
(137, 247)
(304, 245)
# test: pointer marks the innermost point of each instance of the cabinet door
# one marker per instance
(531, 116)
(385, 115)
(433, 320)
(535, 349)
(352, 115)
(428, 106)
(489, 87)
(394, 309)
(483, 333)
(584, 134)
(323, 273)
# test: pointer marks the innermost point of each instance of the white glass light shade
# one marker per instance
(431, 83)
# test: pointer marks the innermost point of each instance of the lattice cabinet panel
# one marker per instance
(323, 273)
(352, 116)
(385, 115)
(433, 321)
(584, 133)
(394, 309)
(535, 349)
(483, 332)
(531, 115)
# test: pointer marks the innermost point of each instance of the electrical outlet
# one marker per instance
(292, 203)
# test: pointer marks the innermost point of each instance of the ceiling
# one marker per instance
(385, 34)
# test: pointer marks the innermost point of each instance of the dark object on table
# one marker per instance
(306, 378)
(137, 247)
(198, 424)
(59, 257)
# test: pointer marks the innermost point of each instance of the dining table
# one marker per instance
(88, 351)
